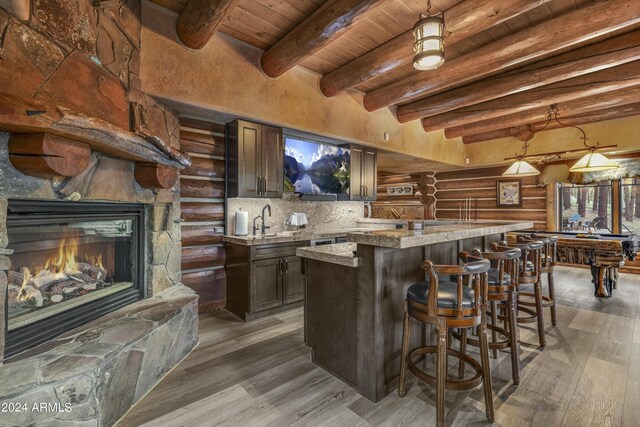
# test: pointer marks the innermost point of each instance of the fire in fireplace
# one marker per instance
(72, 262)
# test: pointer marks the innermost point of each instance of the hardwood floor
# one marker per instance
(259, 373)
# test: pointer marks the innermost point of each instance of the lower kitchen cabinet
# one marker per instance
(263, 279)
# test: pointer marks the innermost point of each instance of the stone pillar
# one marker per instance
(164, 248)
(4, 267)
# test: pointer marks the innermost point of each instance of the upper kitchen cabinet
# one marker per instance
(255, 157)
(363, 173)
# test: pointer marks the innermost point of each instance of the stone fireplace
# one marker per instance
(90, 287)
(72, 262)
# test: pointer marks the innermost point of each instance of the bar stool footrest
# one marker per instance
(497, 345)
(547, 302)
(450, 384)
(533, 316)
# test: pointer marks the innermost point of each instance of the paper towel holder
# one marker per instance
(298, 219)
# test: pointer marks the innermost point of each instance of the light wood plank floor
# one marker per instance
(259, 374)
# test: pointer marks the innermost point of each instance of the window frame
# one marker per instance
(616, 205)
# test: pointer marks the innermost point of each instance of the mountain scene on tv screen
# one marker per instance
(316, 168)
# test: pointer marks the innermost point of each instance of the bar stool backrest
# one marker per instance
(530, 265)
(550, 250)
(473, 274)
(506, 262)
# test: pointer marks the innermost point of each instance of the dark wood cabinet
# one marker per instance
(255, 160)
(268, 284)
(363, 184)
(263, 279)
(293, 286)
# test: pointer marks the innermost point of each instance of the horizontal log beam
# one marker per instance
(199, 235)
(21, 115)
(537, 42)
(199, 188)
(196, 211)
(323, 26)
(569, 108)
(46, 156)
(523, 132)
(155, 176)
(210, 168)
(200, 19)
(606, 54)
(461, 21)
(623, 76)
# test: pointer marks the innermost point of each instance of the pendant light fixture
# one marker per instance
(591, 162)
(428, 35)
(521, 167)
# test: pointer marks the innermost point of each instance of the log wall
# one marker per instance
(411, 206)
(442, 194)
(202, 203)
(480, 184)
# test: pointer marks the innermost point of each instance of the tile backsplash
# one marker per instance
(320, 215)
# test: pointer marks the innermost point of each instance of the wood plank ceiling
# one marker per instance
(535, 50)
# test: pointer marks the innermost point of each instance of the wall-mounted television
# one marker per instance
(312, 167)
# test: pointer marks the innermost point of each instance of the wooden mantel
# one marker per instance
(21, 115)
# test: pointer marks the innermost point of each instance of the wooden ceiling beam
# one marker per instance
(200, 19)
(570, 108)
(606, 54)
(610, 79)
(461, 21)
(523, 132)
(537, 42)
(322, 27)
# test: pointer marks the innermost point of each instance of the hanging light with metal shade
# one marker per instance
(521, 168)
(594, 162)
(428, 35)
(591, 162)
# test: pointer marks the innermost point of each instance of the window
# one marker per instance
(586, 207)
(630, 205)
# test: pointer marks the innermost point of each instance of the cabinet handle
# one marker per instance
(264, 187)
(286, 266)
(280, 265)
(259, 186)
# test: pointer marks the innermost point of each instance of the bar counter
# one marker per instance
(354, 300)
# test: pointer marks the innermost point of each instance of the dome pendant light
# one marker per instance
(428, 35)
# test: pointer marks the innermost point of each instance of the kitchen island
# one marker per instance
(354, 295)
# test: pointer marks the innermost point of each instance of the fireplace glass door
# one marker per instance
(71, 262)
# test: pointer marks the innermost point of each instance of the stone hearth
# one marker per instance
(92, 376)
(101, 368)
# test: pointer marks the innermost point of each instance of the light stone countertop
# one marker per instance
(338, 253)
(447, 231)
(299, 236)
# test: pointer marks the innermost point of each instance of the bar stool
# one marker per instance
(548, 263)
(447, 304)
(502, 290)
(529, 272)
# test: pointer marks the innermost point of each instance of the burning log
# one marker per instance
(96, 272)
(15, 278)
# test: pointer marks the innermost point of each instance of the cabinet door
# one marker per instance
(293, 279)
(249, 158)
(272, 162)
(369, 174)
(266, 284)
(355, 185)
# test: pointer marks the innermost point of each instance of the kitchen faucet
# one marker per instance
(263, 228)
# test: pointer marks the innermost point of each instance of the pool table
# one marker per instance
(605, 253)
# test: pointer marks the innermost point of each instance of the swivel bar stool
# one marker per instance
(502, 291)
(448, 304)
(548, 263)
(529, 272)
